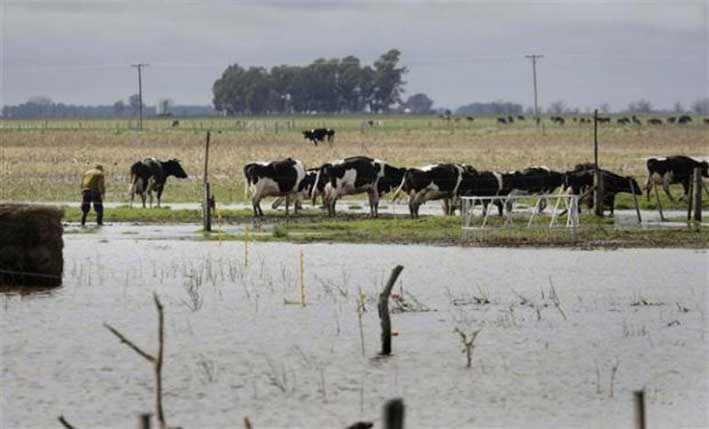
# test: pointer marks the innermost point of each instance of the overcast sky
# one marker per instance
(456, 51)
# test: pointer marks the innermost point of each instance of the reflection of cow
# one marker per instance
(150, 175)
(581, 180)
(275, 178)
(673, 169)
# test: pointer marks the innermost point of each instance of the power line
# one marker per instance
(140, 92)
(534, 76)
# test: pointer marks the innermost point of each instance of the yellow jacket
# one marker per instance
(93, 180)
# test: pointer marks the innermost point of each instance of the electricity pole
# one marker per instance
(140, 92)
(534, 76)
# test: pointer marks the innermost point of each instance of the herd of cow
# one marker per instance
(289, 179)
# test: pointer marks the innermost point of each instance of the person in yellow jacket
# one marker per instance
(93, 188)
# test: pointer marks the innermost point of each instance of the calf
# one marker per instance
(150, 175)
(274, 178)
(319, 134)
(581, 181)
(673, 169)
(430, 183)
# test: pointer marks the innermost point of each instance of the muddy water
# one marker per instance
(235, 349)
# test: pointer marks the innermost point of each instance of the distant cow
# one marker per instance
(175, 123)
(432, 182)
(684, 119)
(671, 119)
(274, 178)
(350, 176)
(635, 120)
(673, 169)
(501, 120)
(654, 121)
(557, 119)
(582, 180)
(623, 121)
(150, 175)
(469, 118)
(319, 134)
(706, 120)
(604, 119)
(510, 119)
(520, 117)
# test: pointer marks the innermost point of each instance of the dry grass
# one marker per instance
(45, 164)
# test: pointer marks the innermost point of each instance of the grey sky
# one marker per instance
(457, 52)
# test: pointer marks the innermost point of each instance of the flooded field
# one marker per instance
(238, 342)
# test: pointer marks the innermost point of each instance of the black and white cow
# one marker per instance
(150, 175)
(305, 189)
(684, 119)
(433, 182)
(274, 178)
(673, 169)
(319, 134)
(531, 181)
(581, 180)
(350, 176)
(482, 184)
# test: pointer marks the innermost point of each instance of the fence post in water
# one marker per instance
(635, 200)
(384, 311)
(206, 211)
(145, 421)
(394, 414)
(639, 406)
(697, 195)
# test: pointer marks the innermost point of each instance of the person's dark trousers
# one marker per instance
(89, 197)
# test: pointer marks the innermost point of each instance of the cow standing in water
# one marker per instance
(433, 182)
(274, 178)
(150, 175)
(673, 169)
(580, 180)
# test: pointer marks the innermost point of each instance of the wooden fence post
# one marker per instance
(635, 200)
(206, 210)
(145, 421)
(597, 176)
(697, 195)
(394, 414)
(659, 204)
(639, 406)
(384, 311)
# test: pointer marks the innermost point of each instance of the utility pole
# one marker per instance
(534, 76)
(140, 92)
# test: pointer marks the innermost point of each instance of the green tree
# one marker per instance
(388, 83)
(419, 104)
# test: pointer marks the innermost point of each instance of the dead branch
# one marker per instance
(155, 360)
(65, 423)
(384, 310)
(468, 344)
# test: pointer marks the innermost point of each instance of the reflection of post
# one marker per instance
(697, 195)
(394, 414)
(206, 210)
(690, 201)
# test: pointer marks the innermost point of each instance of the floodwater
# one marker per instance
(235, 346)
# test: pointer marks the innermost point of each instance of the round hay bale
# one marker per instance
(31, 245)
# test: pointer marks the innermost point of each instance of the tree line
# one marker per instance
(325, 86)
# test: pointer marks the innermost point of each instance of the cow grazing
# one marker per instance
(531, 181)
(432, 182)
(623, 121)
(673, 169)
(520, 117)
(502, 120)
(654, 121)
(510, 119)
(175, 123)
(671, 119)
(684, 119)
(275, 178)
(350, 176)
(604, 119)
(319, 134)
(557, 119)
(635, 120)
(582, 180)
(469, 118)
(150, 175)
(475, 183)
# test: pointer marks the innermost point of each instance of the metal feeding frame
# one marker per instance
(569, 210)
